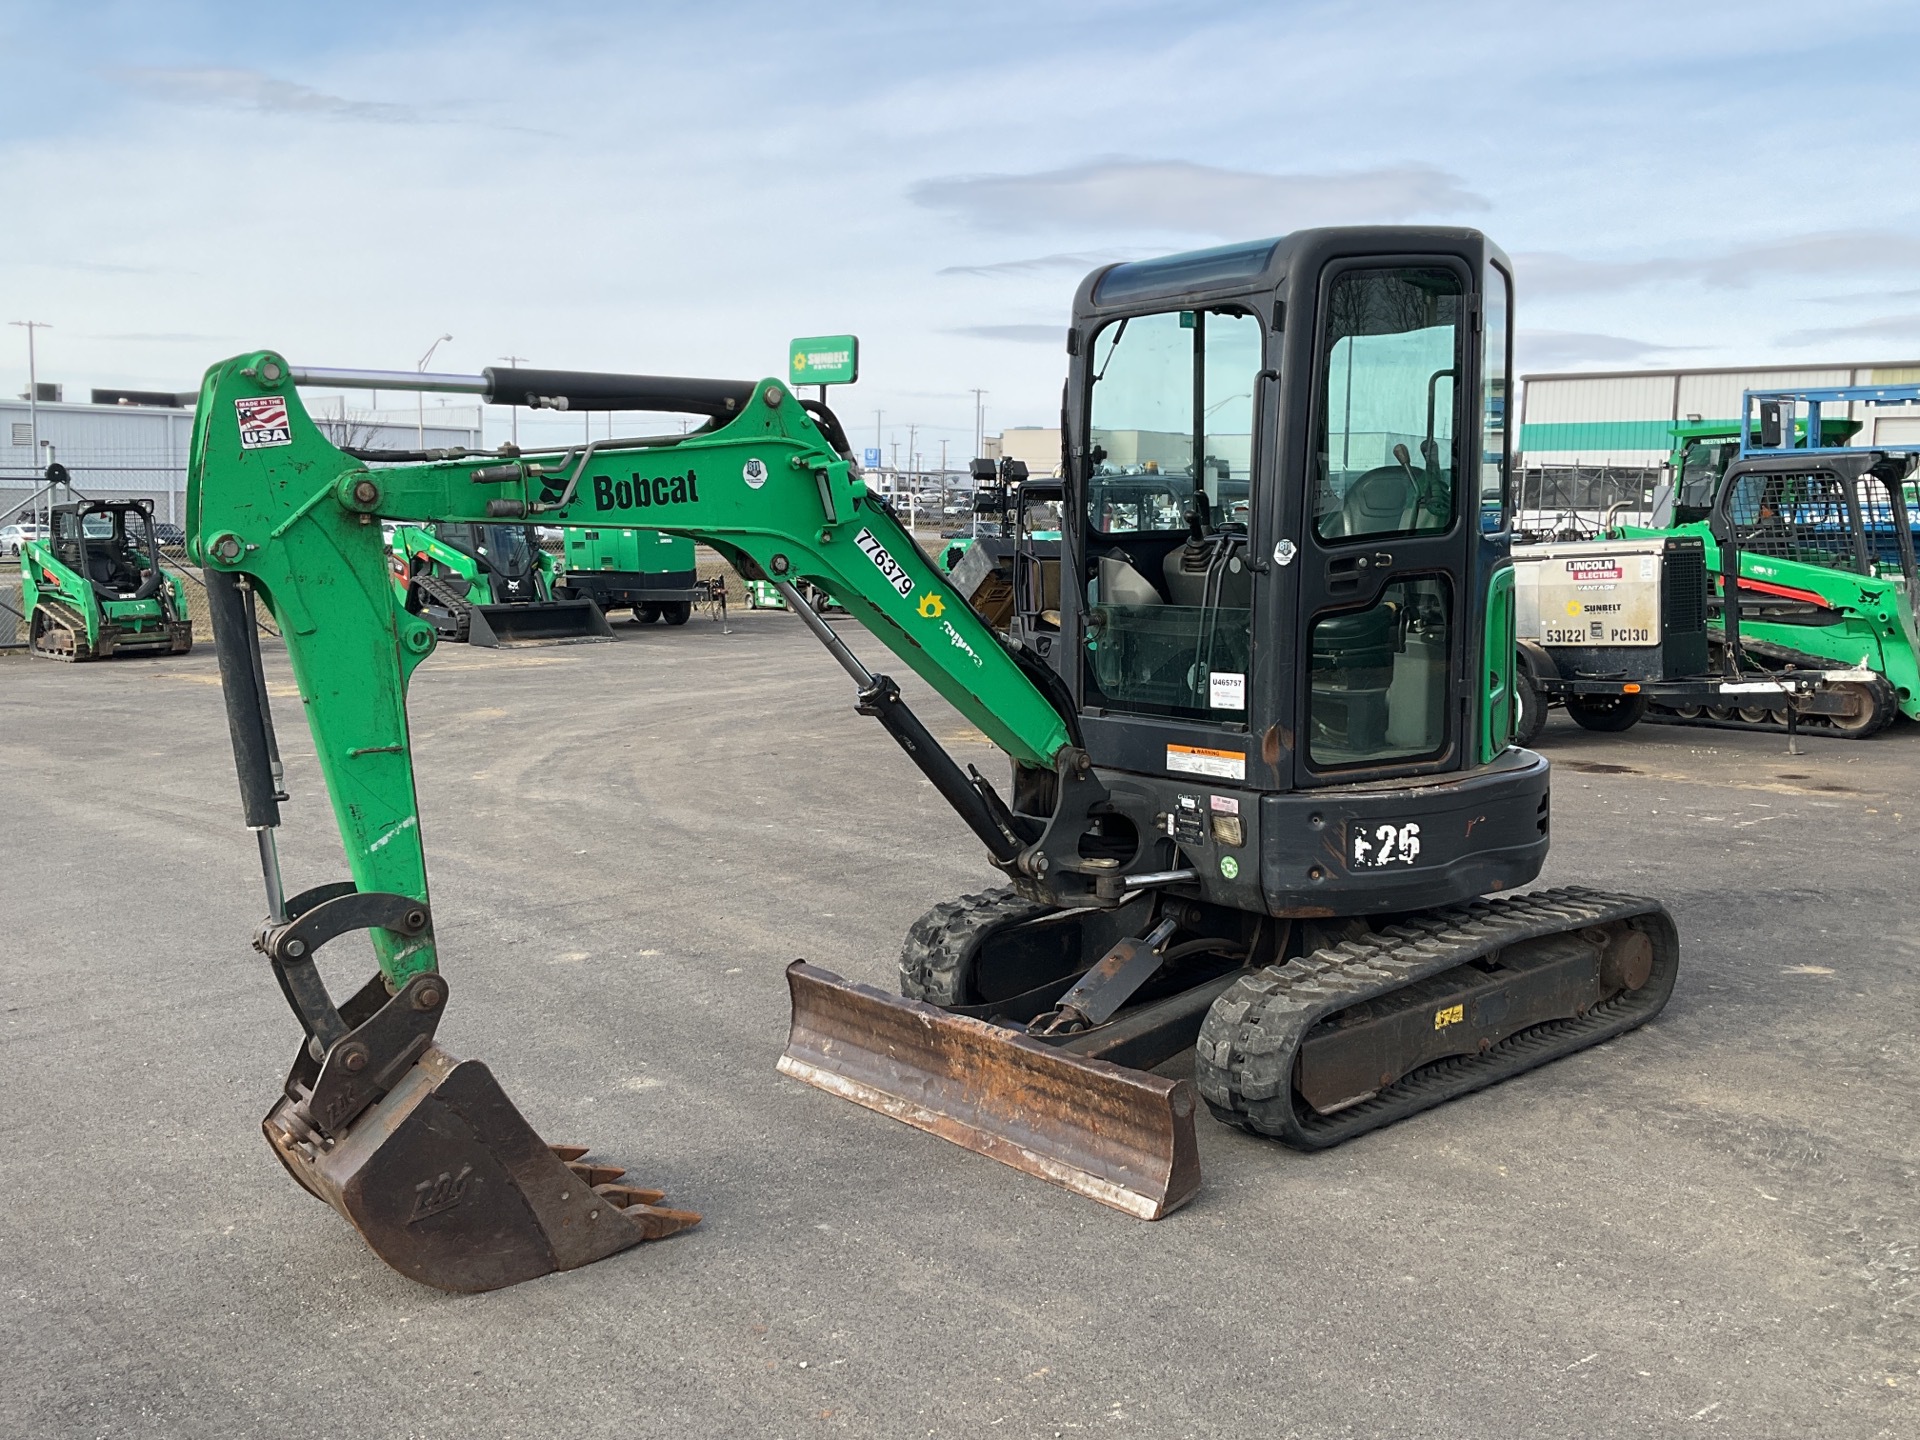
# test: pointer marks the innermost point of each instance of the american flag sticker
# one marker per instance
(263, 421)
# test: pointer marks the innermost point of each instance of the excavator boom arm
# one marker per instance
(271, 500)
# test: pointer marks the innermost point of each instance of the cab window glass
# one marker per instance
(1384, 448)
(1167, 510)
(1379, 678)
(1497, 299)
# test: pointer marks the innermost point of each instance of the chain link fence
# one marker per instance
(114, 478)
(173, 559)
(1570, 502)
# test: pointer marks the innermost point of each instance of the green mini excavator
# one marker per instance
(1260, 781)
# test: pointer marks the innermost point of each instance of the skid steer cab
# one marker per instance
(1254, 678)
(95, 587)
(488, 585)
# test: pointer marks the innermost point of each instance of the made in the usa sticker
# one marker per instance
(263, 421)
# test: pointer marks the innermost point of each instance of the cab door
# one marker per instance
(1387, 554)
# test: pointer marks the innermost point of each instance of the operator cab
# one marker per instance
(111, 542)
(1284, 567)
(508, 552)
(1280, 457)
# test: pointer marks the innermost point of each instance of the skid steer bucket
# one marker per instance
(1122, 1137)
(441, 1175)
(540, 620)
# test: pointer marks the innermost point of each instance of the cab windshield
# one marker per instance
(1167, 509)
(507, 547)
(1702, 464)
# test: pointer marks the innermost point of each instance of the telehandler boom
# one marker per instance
(1261, 770)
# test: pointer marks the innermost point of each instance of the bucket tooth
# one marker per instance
(656, 1222)
(595, 1175)
(1122, 1137)
(625, 1195)
(570, 1152)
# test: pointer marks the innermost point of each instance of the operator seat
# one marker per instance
(111, 570)
(1383, 501)
(1121, 582)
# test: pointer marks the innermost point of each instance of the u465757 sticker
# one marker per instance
(885, 563)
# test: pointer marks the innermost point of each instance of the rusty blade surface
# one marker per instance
(1122, 1137)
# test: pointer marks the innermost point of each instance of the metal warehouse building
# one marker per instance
(1586, 439)
(128, 444)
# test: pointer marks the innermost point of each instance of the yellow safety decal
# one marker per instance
(932, 607)
(1452, 1015)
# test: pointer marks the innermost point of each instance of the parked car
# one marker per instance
(169, 535)
(13, 538)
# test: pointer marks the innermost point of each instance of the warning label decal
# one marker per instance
(1221, 764)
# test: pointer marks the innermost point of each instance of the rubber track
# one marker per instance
(70, 620)
(1886, 708)
(940, 941)
(1244, 1060)
(446, 595)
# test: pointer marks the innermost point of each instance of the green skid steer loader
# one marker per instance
(487, 585)
(1811, 552)
(95, 586)
(1260, 772)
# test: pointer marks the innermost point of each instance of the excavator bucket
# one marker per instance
(1122, 1137)
(540, 620)
(442, 1176)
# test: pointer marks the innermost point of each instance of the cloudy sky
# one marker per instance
(681, 188)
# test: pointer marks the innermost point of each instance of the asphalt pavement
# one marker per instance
(1711, 1224)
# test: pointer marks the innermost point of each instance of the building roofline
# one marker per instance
(1672, 372)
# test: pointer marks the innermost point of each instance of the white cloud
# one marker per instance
(252, 90)
(1026, 334)
(1831, 252)
(1884, 327)
(1076, 264)
(1117, 194)
(1566, 349)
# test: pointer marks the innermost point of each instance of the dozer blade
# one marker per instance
(1122, 1137)
(540, 620)
(451, 1187)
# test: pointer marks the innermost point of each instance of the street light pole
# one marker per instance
(420, 398)
(33, 399)
(979, 424)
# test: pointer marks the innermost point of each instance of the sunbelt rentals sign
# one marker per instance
(824, 360)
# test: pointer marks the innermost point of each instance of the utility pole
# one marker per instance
(878, 443)
(979, 424)
(514, 410)
(419, 396)
(33, 400)
(913, 458)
